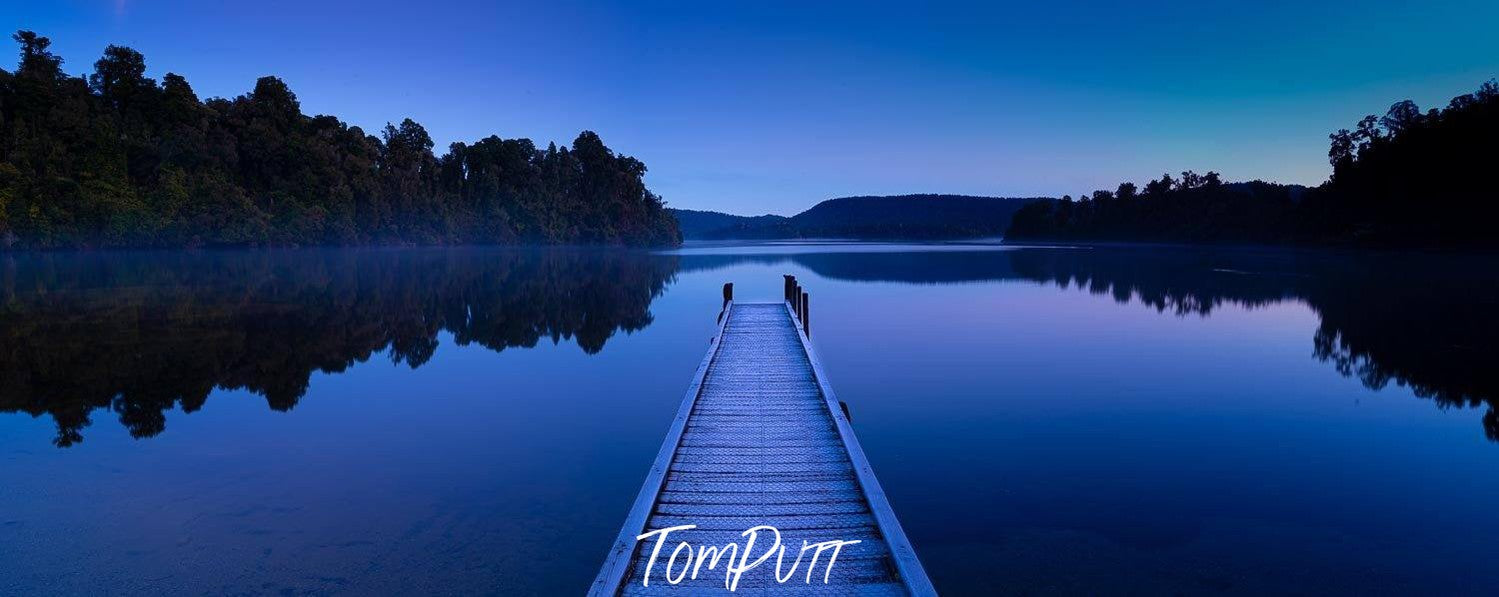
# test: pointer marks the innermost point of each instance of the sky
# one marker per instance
(769, 107)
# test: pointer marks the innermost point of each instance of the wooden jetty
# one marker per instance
(761, 439)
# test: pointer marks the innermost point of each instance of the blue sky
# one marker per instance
(768, 107)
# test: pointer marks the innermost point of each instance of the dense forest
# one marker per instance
(1192, 208)
(1407, 179)
(118, 159)
(913, 217)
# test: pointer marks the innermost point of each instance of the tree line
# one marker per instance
(1407, 179)
(117, 159)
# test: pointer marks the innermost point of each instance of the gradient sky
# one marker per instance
(770, 107)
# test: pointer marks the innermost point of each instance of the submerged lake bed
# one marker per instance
(474, 420)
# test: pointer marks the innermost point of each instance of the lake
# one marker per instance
(1044, 420)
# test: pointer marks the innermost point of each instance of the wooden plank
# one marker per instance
(617, 563)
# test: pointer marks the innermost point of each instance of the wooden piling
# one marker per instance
(806, 323)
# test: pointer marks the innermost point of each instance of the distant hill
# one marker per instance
(916, 217)
(712, 224)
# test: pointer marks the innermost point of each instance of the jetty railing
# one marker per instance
(798, 299)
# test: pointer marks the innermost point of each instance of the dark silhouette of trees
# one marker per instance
(1414, 179)
(140, 334)
(116, 159)
(1406, 179)
(1194, 208)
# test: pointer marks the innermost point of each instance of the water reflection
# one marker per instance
(1428, 322)
(140, 334)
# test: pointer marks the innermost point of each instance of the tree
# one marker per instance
(1156, 189)
(36, 60)
(1342, 147)
(119, 76)
(1401, 116)
(1189, 180)
(1368, 133)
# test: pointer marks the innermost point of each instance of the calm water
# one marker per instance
(1122, 420)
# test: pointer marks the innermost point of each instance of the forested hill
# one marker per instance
(1405, 180)
(917, 217)
(117, 159)
(711, 224)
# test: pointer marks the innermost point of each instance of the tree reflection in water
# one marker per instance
(1429, 322)
(1425, 322)
(143, 333)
